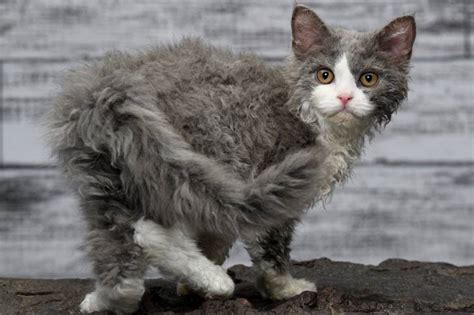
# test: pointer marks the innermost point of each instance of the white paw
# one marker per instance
(92, 303)
(282, 287)
(222, 286)
(123, 298)
(214, 283)
(293, 288)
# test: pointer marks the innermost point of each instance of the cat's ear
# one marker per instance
(308, 31)
(397, 38)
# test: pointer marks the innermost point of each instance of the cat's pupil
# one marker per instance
(325, 75)
(368, 77)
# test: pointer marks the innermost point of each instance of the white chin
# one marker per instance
(343, 118)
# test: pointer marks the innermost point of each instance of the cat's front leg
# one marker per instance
(270, 253)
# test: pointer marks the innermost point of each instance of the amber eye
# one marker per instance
(325, 76)
(369, 79)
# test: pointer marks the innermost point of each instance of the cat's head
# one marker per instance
(348, 78)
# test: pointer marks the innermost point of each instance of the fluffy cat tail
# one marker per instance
(114, 120)
(287, 188)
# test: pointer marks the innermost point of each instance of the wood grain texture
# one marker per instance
(412, 196)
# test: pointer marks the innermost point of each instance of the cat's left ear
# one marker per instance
(308, 31)
(397, 38)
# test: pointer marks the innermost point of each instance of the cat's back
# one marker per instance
(190, 66)
(195, 76)
(188, 77)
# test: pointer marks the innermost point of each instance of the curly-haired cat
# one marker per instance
(178, 151)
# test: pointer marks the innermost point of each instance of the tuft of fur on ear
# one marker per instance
(308, 31)
(397, 38)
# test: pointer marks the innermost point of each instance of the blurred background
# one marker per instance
(411, 196)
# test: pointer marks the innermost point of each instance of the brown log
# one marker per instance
(395, 286)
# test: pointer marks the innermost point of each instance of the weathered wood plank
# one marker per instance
(420, 212)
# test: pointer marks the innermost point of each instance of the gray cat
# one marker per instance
(179, 151)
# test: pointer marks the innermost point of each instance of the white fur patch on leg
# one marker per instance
(282, 286)
(177, 255)
(122, 298)
(93, 303)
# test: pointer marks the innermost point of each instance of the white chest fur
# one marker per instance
(344, 149)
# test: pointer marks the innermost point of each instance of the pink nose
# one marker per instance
(345, 98)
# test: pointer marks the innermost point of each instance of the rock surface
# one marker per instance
(393, 286)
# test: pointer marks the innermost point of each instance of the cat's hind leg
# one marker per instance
(118, 263)
(177, 255)
(270, 253)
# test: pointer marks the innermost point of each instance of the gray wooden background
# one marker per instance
(412, 195)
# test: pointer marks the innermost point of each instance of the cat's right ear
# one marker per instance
(308, 31)
(397, 38)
